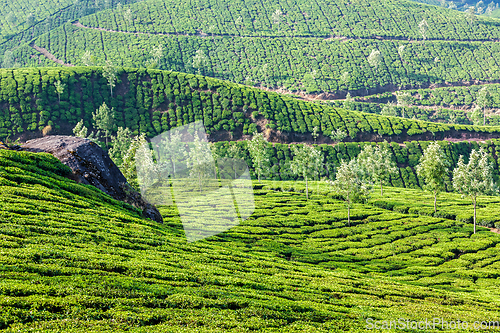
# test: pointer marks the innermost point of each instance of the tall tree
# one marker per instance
(389, 109)
(470, 14)
(104, 119)
(375, 58)
(110, 73)
(88, 59)
(257, 149)
(474, 178)
(404, 100)
(484, 101)
(378, 164)
(8, 59)
(200, 61)
(351, 183)
(80, 130)
(200, 161)
(433, 169)
(423, 27)
(59, 88)
(276, 18)
(120, 145)
(11, 19)
(307, 163)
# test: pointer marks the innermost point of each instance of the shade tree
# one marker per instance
(378, 164)
(474, 178)
(433, 169)
(307, 163)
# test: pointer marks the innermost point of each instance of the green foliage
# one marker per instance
(474, 178)
(104, 119)
(350, 183)
(433, 169)
(307, 163)
(257, 150)
(154, 101)
(378, 164)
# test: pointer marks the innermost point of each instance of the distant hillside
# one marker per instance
(367, 19)
(72, 259)
(153, 101)
(321, 48)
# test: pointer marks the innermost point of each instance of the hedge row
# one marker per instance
(385, 18)
(406, 156)
(305, 64)
(153, 101)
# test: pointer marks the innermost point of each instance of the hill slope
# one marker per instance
(73, 259)
(153, 101)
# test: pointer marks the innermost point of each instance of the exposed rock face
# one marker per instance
(92, 165)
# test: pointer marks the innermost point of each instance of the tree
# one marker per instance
(239, 22)
(88, 59)
(257, 149)
(477, 115)
(404, 99)
(8, 59)
(375, 58)
(59, 88)
(30, 20)
(423, 26)
(433, 169)
(80, 130)
(11, 19)
(264, 73)
(309, 82)
(200, 60)
(128, 166)
(307, 162)
(200, 161)
(474, 178)
(104, 119)
(470, 14)
(110, 72)
(171, 151)
(350, 182)
(484, 100)
(377, 163)
(276, 18)
(120, 145)
(338, 135)
(127, 17)
(389, 109)
(401, 49)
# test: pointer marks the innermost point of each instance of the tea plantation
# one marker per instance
(153, 101)
(73, 259)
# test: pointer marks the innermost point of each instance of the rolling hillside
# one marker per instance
(73, 259)
(152, 101)
(301, 49)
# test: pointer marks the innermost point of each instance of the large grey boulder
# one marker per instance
(92, 165)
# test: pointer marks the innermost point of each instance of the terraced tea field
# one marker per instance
(73, 260)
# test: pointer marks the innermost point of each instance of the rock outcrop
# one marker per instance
(92, 165)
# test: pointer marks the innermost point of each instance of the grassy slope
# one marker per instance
(73, 260)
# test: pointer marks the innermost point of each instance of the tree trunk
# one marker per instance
(307, 189)
(474, 202)
(381, 189)
(348, 211)
(435, 199)
(348, 214)
(484, 117)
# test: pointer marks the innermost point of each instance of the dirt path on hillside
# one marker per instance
(49, 55)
